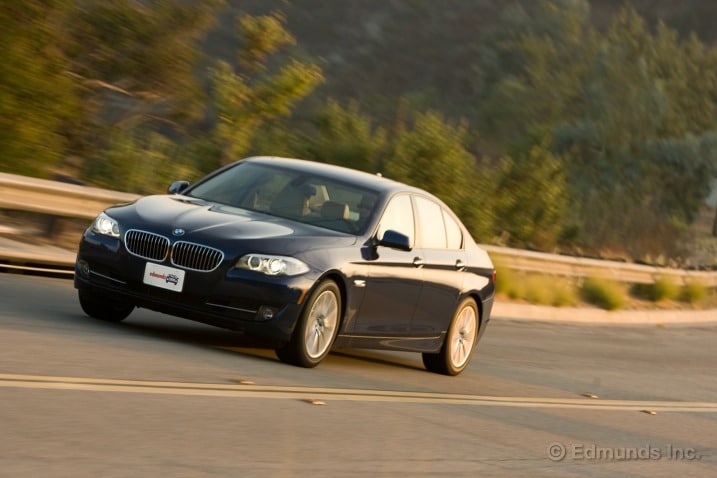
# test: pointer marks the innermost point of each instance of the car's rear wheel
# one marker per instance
(459, 344)
(317, 328)
(103, 307)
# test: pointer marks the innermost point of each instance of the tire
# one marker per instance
(459, 344)
(103, 308)
(316, 329)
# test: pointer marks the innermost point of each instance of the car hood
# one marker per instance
(197, 217)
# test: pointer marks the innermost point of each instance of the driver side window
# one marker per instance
(398, 216)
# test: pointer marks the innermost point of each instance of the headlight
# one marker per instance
(272, 265)
(106, 225)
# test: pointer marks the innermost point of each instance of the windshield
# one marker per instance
(291, 194)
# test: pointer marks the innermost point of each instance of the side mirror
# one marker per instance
(395, 240)
(177, 187)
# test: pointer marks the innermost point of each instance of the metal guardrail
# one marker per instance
(56, 198)
(73, 201)
(19, 252)
(579, 267)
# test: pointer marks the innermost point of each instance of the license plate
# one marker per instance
(165, 277)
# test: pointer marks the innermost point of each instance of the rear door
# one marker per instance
(440, 239)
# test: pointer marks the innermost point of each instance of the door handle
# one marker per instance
(460, 264)
(418, 262)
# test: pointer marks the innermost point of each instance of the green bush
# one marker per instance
(538, 290)
(663, 288)
(549, 290)
(563, 294)
(504, 278)
(535, 288)
(603, 293)
(693, 292)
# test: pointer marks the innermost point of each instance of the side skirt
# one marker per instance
(404, 344)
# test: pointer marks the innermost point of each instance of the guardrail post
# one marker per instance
(52, 226)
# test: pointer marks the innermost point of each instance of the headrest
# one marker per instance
(335, 210)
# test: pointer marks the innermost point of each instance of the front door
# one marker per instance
(394, 277)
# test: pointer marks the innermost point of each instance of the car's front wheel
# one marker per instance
(317, 328)
(103, 307)
(460, 342)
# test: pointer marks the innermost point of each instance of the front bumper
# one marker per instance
(236, 299)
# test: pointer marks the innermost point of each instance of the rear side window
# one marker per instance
(454, 236)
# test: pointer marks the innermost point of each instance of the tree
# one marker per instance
(627, 109)
(142, 81)
(650, 148)
(135, 67)
(344, 136)
(533, 198)
(432, 154)
(36, 94)
(249, 95)
(530, 70)
(142, 161)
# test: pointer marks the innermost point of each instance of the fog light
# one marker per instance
(265, 313)
(84, 269)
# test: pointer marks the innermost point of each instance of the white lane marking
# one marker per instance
(325, 394)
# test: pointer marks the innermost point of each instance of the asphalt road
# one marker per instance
(157, 396)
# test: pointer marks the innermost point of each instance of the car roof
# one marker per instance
(340, 173)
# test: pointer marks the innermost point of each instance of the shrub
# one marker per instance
(563, 294)
(550, 290)
(663, 288)
(603, 293)
(693, 292)
(510, 283)
(538, 290)
(535, 288)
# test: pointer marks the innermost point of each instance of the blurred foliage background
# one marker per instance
(588, 127)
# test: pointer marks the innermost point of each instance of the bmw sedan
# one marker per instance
(307, 255)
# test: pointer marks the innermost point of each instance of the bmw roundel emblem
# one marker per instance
(178, 232)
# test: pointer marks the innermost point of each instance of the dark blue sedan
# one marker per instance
(308, 255)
